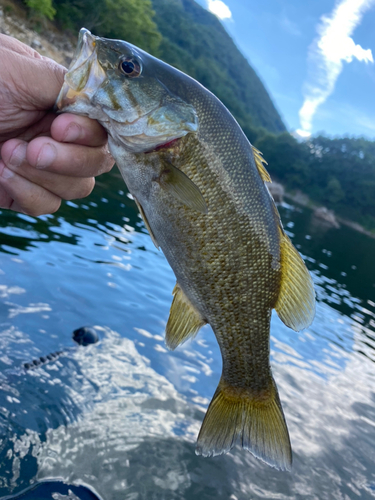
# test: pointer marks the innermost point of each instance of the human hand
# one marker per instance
(44, 157)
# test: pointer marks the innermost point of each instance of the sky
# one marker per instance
(315, 57)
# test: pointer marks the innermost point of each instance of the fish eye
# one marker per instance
(130, 67)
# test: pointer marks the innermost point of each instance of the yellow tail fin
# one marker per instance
(257, 423)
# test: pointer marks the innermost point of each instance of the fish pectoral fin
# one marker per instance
(145, 220)
(258, 424)
(182, 188)
(259, 162)
(184, 320)
(296, 302)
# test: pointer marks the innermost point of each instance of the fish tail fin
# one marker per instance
(257, 422)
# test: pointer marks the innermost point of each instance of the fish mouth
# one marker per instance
(85, 74)
(89, 90)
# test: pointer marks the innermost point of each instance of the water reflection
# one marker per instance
(55, 490)
(137, 441)
(123, 415)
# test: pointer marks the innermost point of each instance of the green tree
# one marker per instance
(130, 20)
(287, 159)
(41, 8)
(333, 192)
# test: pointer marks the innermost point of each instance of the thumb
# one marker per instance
(43, 81)
(33, 81)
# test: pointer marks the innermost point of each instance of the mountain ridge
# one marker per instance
(196, 42)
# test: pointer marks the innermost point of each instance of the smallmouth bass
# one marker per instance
(199, 186)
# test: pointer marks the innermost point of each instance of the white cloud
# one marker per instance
(302, 133)
(327, 54)
(220, 9)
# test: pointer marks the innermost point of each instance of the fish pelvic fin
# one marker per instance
(184, 320)
(147, 224)
(259, 162)
(296, 302)
(257, 423)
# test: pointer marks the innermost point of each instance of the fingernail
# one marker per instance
(46, 156)
(18, 156)
(73, 132)
(7, 173)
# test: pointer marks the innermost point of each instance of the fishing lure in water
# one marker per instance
(199, 186)
(82, 336)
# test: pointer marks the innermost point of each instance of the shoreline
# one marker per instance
(303, 200)
(278, 192)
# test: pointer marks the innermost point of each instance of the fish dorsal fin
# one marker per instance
(182, 188)
(148, 227)
(184, 320)
(259, 160)
(296, 302)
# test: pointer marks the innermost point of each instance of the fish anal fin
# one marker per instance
(259, 162)
(257, 423)
(296, 302)
(184, 320)
(178, 184)
(145, 220)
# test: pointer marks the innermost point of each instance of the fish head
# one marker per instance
(127, 91)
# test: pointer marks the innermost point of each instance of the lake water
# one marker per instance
(121, 417)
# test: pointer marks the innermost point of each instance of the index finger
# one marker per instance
(10, 43)
(78, 130)
(68, 159)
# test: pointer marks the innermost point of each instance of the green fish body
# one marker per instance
(200, 188)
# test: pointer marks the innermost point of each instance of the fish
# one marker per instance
(200, 188)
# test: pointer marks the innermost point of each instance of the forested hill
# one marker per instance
(195, 41)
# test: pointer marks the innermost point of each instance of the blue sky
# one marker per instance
(315, 57)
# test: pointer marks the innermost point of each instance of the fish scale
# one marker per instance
(199, 186)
